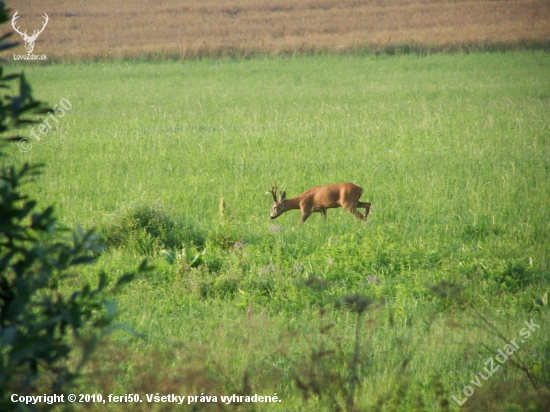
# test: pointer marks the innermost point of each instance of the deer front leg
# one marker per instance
(324, 212)
(304, 218)
(306, 212)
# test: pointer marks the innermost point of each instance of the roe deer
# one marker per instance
(321, 198)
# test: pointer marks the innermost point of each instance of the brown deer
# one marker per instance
(321, 198)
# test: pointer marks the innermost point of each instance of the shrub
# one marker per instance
(38, 323)
(36, 319)
(147, 229)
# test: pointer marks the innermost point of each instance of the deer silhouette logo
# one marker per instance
(29, 40)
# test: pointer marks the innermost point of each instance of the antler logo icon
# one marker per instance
(29, 40)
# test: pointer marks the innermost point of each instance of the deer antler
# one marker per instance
(274, 192)
(36, 33)
(15, 17)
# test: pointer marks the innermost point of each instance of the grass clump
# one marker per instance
(148, 228)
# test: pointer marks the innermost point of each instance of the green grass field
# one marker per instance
(453, 151)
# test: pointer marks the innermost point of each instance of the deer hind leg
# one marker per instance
(355, 213)
(365, 205)
(352, 208)
(324, 212)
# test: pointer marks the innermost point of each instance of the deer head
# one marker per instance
(278, 205)
(29, 40)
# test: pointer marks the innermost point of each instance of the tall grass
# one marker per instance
(452, 151)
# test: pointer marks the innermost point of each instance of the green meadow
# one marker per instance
(172, 160)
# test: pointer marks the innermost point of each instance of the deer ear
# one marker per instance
(283, 196)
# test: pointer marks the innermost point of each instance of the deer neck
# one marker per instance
(292, 203)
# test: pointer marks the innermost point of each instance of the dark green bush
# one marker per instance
(39, 324)
(149, 228)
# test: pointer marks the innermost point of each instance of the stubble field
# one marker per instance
(171, 29)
